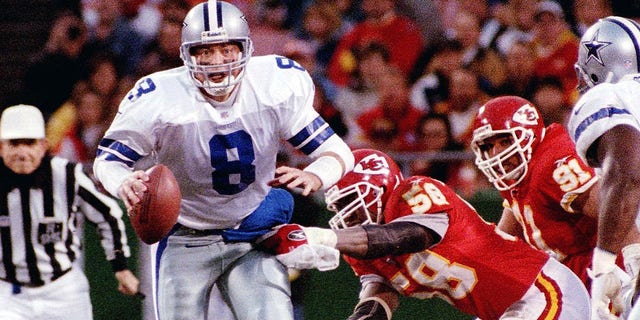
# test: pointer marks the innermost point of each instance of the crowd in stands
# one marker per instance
(397, 75)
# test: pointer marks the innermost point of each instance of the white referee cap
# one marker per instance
(21, 122)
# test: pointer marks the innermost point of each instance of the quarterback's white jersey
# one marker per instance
(602, 108)
(222, 156)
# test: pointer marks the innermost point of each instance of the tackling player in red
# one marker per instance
(550, 193)
(417, 238)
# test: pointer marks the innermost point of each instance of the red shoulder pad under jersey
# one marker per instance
(418, 194)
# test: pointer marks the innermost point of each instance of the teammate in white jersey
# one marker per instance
(218, 123)
(605, 124)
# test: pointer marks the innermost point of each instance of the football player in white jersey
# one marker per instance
(217, 122)
(605, 124)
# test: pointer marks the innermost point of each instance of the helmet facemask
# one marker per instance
(585, 82)
(356, 204)
(219, 88)
(216, 23)
(496, 167)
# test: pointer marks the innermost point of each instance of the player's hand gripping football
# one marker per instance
(132, 190)
(290, 245)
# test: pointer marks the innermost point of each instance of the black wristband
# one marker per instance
(370, 309)
(119, 263)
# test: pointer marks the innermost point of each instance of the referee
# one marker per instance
(40, 200)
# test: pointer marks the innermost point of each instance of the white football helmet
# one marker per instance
(609, 50)
(214, 22)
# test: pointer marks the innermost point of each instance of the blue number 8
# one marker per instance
(232, 159)
(144, 86)
(286, 63)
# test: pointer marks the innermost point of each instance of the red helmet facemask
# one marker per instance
(359, 197)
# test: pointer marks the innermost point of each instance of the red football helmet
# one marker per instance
(359, 197)
(520, 121)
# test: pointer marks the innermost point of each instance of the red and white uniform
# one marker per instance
(541, 203)
(474, 267)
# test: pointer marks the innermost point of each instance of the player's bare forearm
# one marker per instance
(352, 241)
(509, 224)
(620, 188)
(617, 217)
(375, 241)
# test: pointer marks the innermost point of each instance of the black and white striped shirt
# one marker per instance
(38, 215)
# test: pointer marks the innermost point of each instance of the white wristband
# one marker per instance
(325, 237)
(603, 261)
(327, 168)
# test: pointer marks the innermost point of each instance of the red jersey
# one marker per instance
(474, 267)
(541, 203)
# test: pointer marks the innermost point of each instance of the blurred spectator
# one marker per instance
(147, 16)
(361, 94)
(551, 102)
(111, 32)
(434, 135)
(144, 17)
(519, 65)
(271, 33)
(100, 78)
(175, 10)
(77, 127)
(382, 24)
(164, 51)
(350, 11)
(587, 12)
(556, 47)
(520, 13)
(433, 85)
(465, 98)
(51, 74)
(490, 27)
(102, 74)
(425, 15)
(447, 11)
(484, 61)
(323, 27)
(392, 124)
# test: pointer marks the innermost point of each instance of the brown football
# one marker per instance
(160, 206)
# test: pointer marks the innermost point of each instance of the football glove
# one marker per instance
(290, 245)
(606, 283)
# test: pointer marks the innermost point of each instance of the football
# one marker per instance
(158, 212)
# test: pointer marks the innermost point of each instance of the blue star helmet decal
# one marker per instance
(593, 48)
